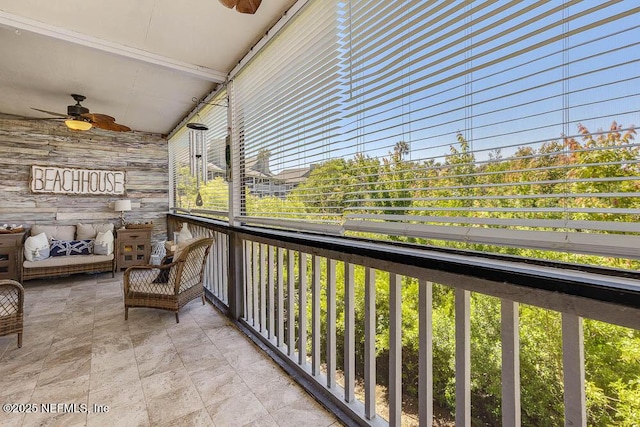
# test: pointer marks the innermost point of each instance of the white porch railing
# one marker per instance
(282, 288)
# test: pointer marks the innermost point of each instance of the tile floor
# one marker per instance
(148, 371)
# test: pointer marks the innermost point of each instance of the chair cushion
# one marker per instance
(152, 288)
(8, 310)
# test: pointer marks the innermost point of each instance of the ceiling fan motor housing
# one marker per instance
(77, 110)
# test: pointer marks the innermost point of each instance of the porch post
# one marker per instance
(235, 277)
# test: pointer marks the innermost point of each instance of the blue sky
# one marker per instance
(434, 78)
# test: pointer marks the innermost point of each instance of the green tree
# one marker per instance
(554, 169)
(396, 177)
(324, 190)
(605, 155)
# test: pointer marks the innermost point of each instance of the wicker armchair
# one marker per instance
(11, 308)
(170, 286)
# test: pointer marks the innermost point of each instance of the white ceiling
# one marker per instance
(139, 61)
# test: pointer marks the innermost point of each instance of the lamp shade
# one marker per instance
(77, 124)
(122, 205)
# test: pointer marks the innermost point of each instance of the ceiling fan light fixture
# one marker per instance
(74, 124)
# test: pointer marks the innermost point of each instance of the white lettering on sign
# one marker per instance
(47, 179)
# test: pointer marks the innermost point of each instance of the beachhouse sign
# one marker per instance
(49, 179)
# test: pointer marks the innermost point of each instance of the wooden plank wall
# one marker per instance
(144, 157)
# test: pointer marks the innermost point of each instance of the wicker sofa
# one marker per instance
(65, 265)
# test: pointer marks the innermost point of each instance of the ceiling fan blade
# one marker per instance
(103, 121)
(122, 128)
(229, 3)
(25, 118)
(97, 117)
(248, 6)
(51, 112)
(112, 126)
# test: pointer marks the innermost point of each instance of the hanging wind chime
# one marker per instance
(198, 156)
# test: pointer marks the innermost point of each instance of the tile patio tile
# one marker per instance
(148, 371)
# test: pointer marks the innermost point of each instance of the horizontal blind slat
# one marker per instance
(500, 107)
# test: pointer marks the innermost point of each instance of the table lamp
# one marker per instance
(122, 206)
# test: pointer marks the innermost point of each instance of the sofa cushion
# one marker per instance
(62, 261)
(90, 231)
(58, 232)
(36, 248)
(71, 247)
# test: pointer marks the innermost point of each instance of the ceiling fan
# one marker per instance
(79, 117)
(242, 6)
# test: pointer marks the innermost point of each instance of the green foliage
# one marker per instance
(274, 207)
(322, 192)
(612, 354)
(541, 367)
(215, 193)
(614, 156)
(396, 185)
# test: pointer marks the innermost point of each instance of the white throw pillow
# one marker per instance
(103, 244)
(36, 248)
(184, 234)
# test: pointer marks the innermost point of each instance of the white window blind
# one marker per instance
(214, 190)
(286, 113)
(507, 123)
